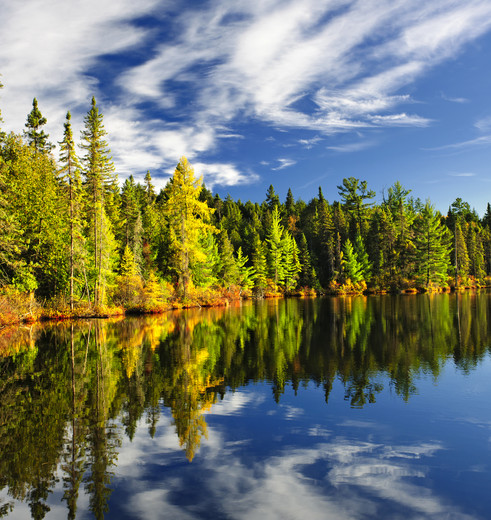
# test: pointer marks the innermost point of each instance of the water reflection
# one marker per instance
(74, 396)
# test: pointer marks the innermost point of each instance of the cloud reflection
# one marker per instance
(339, 478)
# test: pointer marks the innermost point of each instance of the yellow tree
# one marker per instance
(188, 220)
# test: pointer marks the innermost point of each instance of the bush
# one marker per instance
(17, 306)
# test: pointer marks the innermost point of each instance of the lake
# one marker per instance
(330, 408)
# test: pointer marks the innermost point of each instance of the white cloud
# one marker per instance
(484, 140)
(223, 174)
(460, 100)
(483, 124)
(310, 143)
(284, 163)
(225, 62)
(464, 174)
(352, 147)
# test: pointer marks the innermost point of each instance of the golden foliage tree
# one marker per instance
(188, 219)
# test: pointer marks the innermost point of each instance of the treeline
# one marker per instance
(70, 234)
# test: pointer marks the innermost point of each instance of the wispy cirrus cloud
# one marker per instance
(284, 163)
(353, 147)
(454, 99)
(181, 84)
(484, 140)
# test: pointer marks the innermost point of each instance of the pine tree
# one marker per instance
(259, 262)
(290, 261)
(354, 194)
(2, 134)
(272, 199)
(247, 274)
(99, 181)
(432, 246)
(289, 203)
(70, 172)
(351, 267)
(35, 135)
(476, 252)
(274, 241)
(460, 255)
(307, 275)
(486, 220)
(362, 258)
(228, 272)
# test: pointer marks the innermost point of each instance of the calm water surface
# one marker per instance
(340, 408)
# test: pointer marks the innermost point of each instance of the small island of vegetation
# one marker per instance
(73, 242)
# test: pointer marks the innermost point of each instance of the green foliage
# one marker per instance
(432, 243)
(275, 242)
(98, 170)
(352, 268)
(247, 274)
(35, 135)
(354, 194)
(65, 228)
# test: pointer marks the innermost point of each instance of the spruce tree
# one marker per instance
(247, 274)
(351, 267)
(70, 171)
(36, 137)
(98, 170)
(432, 247)
(2, 134)
(275, 248)
(259, 263)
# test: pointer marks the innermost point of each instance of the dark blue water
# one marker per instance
(223, 414)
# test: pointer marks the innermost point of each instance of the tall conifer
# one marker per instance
(99, 176)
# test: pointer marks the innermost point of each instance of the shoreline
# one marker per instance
(105, 312)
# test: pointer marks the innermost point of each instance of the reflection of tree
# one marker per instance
(64, 387)
(102, 435)
(189, 380)
(74, 453)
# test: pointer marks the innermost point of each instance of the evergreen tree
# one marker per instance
(35, 135)
(362, 258)
(476, 252)
(259, 262)
(149, 189)
(247, 274)
(291, 262)
(307, 275)
(275, 249)
(272, 199)
(460, 255)
(432, 246)
(70, 171)
(129, 208)
(2, 134)
(486, 220)
(228, 272)
(354, 194)
(289, 203)
(206, 271)
(351, 267)
(99, 181)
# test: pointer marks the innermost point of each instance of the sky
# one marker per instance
(297, 94)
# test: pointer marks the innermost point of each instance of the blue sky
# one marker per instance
(297, 94)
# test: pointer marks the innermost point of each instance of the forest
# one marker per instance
(74, 241)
